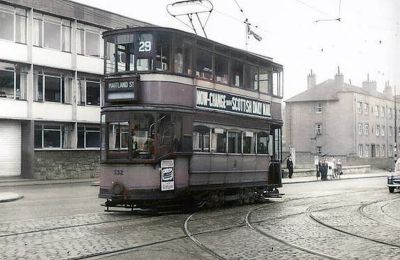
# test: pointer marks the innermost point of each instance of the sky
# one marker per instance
(365, 41)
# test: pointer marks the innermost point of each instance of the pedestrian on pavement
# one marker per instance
(319, 170)
(289, 164)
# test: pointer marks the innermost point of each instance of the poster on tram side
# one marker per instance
(167, 175)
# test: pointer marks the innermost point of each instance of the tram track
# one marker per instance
(322, 223)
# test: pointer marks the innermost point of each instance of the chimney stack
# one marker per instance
(388, 91)
(311, 80)
(339, 78)
(369, 85)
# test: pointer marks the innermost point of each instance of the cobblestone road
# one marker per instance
(355, 219)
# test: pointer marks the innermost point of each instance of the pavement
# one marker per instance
(16, 181)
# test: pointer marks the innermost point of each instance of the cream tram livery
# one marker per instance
(186, 119)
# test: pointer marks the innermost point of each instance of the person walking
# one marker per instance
(289, 164)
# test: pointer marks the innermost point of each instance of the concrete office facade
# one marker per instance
(51, 64)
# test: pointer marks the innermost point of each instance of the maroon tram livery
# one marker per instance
(187, 119)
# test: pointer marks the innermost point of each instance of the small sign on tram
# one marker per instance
(167, 175)
(122, 90)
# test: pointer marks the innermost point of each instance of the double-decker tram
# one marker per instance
(187, 119)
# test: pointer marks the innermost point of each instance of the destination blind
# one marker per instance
(231, 103)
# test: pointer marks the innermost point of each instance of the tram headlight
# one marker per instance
(117, 188)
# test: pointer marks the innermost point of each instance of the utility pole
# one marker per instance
(395, 126)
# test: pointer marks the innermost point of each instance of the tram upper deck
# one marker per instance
(163, 87)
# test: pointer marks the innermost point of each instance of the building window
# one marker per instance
(360, 128)
(88, 137)
(318, 129)
(383, 150)
(382, 111)
(366, 151)
(390, 130)
(52, 35)
(390, 151)
(89, 41)
(366, 129)
(359, 107)
(382, 130)
(201, 138)
(318, 107)
(377, 150)
(52, 88)
(51, 32)
(389, 113)
(13, 81)
(318, 150)
(89, 91)
(376, 110)
(48, 136)
(360, 150)
(13, 24)
(377, 130)
(234, 142)
(366, 108)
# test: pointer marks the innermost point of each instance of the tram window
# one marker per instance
(187, 58)
(110, 57)
(234, 142)
(221, 69)
(142, 130)
(162, 53)
(276, 83)
(118, 136)
(251, 74)
(248, 142)
(178, 60)
(201, 138)
(218, 140)
(125, 57)
(263, 143)
(263, 80)
(237, 73)
(204, 64)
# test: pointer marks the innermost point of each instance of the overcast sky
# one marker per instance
(367, 40)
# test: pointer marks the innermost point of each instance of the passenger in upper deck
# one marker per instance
(178, 61)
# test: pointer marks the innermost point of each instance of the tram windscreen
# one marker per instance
(143, 136)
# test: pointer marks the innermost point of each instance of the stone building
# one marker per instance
(334, 118)
(51, 63)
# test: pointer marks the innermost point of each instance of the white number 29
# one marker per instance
(144, 46)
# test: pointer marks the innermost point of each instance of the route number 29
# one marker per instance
(144, 46)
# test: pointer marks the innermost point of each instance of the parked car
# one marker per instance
(393, 180)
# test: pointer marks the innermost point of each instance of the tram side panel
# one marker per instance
(230, 170)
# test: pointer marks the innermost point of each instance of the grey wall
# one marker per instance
(66, 164)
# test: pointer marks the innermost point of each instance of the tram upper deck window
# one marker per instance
(221, 69)
(182, 56)
(251, 74)
(263, 80)
(237, 73)
(276, 84)
(204, 64)
(162, 53)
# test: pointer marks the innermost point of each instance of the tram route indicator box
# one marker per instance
(122, 90)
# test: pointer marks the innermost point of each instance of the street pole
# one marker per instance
(395, 126)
